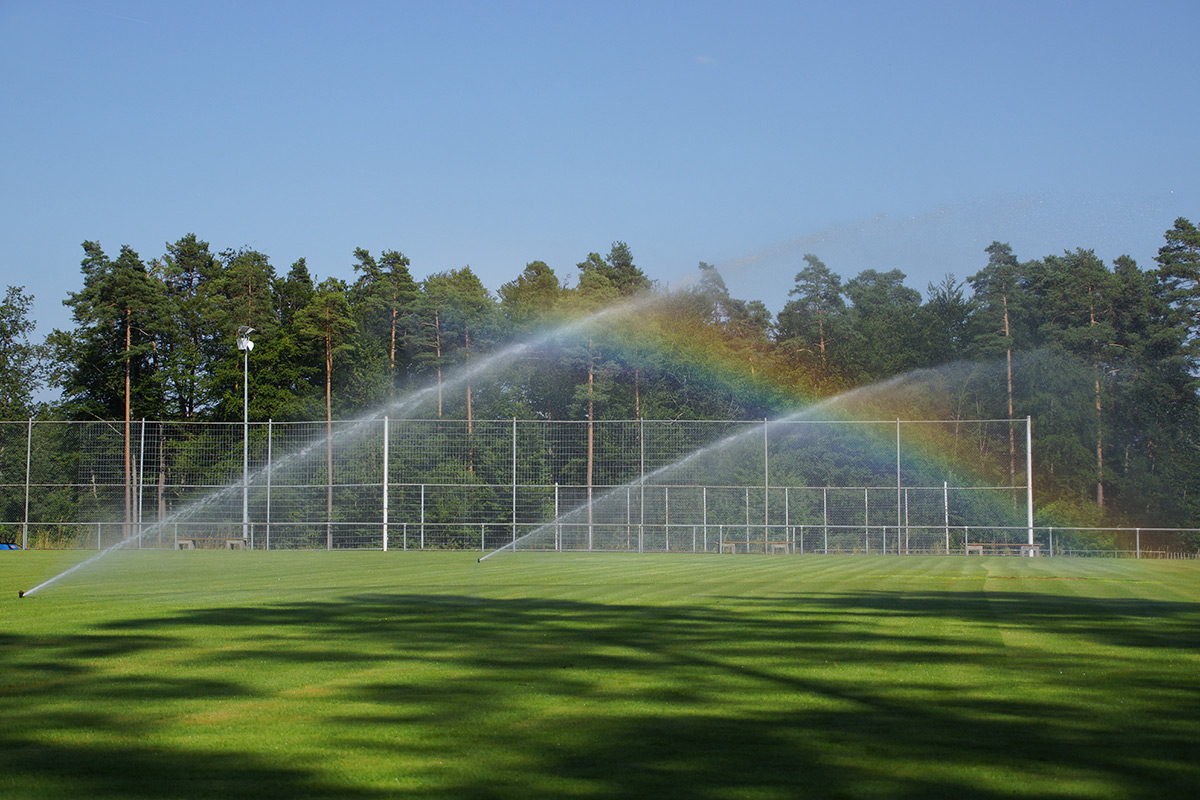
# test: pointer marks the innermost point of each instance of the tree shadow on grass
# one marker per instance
(1123, 622)
(805, 695)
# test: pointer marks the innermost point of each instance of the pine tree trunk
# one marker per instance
(821, 332)
(392, 355)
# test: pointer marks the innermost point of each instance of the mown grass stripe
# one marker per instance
(598, 675)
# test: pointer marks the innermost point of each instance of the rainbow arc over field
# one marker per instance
(649, 335)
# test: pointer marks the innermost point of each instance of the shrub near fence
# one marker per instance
(782, 486)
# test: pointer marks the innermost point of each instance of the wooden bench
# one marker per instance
(767, 547)
(231, 542)
(1003, 548)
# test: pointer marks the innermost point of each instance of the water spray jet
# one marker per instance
(404, 407)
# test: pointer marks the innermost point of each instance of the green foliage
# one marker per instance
(110, 362)
(1103, 357)
(615, 272)
(21, 371)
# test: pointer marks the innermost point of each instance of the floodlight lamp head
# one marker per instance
(243, 338)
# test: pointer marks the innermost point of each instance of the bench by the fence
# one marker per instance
(231, 543)
(751, 546)
(1003, 548)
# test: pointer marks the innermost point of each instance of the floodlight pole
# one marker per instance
(1029, 475)
(245, 345)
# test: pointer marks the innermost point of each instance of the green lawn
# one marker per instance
(376, 675)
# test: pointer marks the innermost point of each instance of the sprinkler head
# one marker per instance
(20, 593)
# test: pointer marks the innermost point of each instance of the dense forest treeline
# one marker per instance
(1102, 356)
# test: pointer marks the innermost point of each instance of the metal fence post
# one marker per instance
(629, 518)
(788, 533)
(747, 519)
(141, 475)
(641, 484)
(825, 516)
(28, 466)
(667, 517)
(1029, 475)
(766, 488)
(898, 486)
(270, 445)
(867, 519)
(385, 484)
(946, 512)
(514, 481)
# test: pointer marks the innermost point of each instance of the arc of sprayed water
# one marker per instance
(95, 557)
(401, 407)
(728, 441)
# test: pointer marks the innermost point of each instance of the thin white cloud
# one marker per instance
(705, 60)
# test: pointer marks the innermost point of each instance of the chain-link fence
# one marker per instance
(787, 486)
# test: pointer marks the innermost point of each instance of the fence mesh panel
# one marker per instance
(788, 486)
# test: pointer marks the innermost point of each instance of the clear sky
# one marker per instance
(875, 134)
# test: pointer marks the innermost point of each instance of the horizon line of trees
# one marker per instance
(1103, 357)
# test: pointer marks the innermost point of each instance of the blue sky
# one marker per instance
(901, 135)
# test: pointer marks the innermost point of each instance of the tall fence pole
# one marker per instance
(270, 444)
(1029, 475)
(141, 474)
(514, 479)
(946, 512)
(28, 466)
(898, 486)
(825, 516)
(867, 520)
(641, 484)
(385, 484)
(766, 488)
(667, 517)
(747, 519)
(789, 535)
(246, 442)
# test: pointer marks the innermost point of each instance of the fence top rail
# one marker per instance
(509, 421)
(638, 485)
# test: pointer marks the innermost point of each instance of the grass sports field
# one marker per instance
(378, 675)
